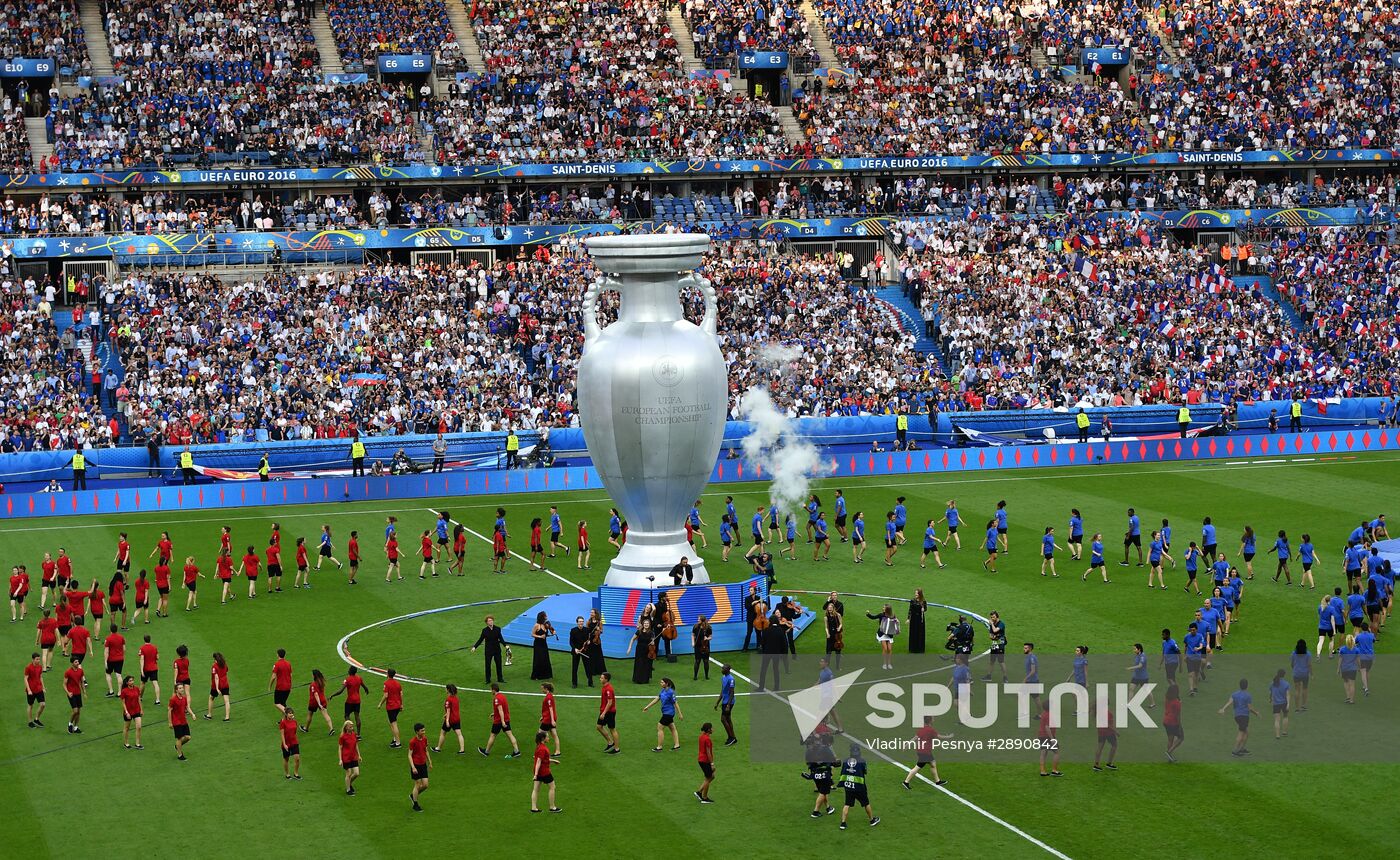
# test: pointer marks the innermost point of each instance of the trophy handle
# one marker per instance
(707, 290)
(591, 329)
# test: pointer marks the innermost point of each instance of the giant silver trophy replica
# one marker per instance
(652, 398)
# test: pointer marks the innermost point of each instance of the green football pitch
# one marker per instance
(69, 794)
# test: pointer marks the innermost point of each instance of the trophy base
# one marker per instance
(653, 554)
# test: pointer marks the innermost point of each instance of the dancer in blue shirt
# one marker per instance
(931, 544)
(1001, 527)
(1076, 535)
(954, 519)
(1047, 551)
(1284, 554)
(1096, 559)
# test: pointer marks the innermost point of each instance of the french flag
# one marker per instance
(1084, 266)
(1166, 329)
(1392, 342)
(1276, 355)
(1360, 327)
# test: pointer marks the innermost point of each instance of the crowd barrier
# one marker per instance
(1309, 445)
(488, 449)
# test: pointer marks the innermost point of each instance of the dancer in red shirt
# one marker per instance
(549, 716)
(498, 552)
(162, 575)
(114, 658)
(291, 749)
(274, 562)
(19, 591)
(64, 571)
(130, 696)
(392, 702)
(536, 547)
(452, 721)
(351, 687)
(123, 557)
(48, 580)
(249, 568)
(218, 687)
(192, 577)
(303, 565)
(391, 551)
(180, 723)
(164, 550)
(73, 685)
(542, 775)
(607, 715)
(150, 666)
(143, 597)
(420, 763)
(46, 637)
(459, 549)
(426, 549)
(182, 670)
(353, 550)
(116, 597)
(349, 745)
(706, 758)
(316, 701)
(585, 549)
(34, 690)
(281, 681)
(500, 723)
(223, 569)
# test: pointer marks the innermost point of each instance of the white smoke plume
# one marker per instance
(773, 443)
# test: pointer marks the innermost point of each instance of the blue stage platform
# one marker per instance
(562, 609)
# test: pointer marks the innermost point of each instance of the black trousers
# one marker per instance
(357, 467)
(748, 633)
(774, 662)
(582, 660)
(189, 475)
(80, 479)
(496, 657)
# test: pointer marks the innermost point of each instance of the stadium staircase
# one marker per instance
(458, 16)
(331, 63)
(826, 52)
(36, 127)
(1170, 49)
(685, 43)
(95, 35)
(913, 323)
(792, 129)
(1266, 286)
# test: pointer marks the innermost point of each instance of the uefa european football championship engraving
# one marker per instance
(652, 397)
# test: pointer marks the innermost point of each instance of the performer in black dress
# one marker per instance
(596, 663)
(918, 608)
(644, 654)
(542, 670)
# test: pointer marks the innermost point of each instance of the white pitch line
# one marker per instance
(475, 533)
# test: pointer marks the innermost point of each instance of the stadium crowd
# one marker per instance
(49, 29)
(1248, 80)
(364, 29)
(598, 81)
(1113, 312)
(723, 28)
(386, 349)
(934, 77)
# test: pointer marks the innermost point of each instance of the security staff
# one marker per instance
(263, 468)
(901, 429)
(1082, 422)
(1183, 419)
(439, 453)
(357, 458)
(512, 449)
(187, 465)
(1295, 417)
(79, 464)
